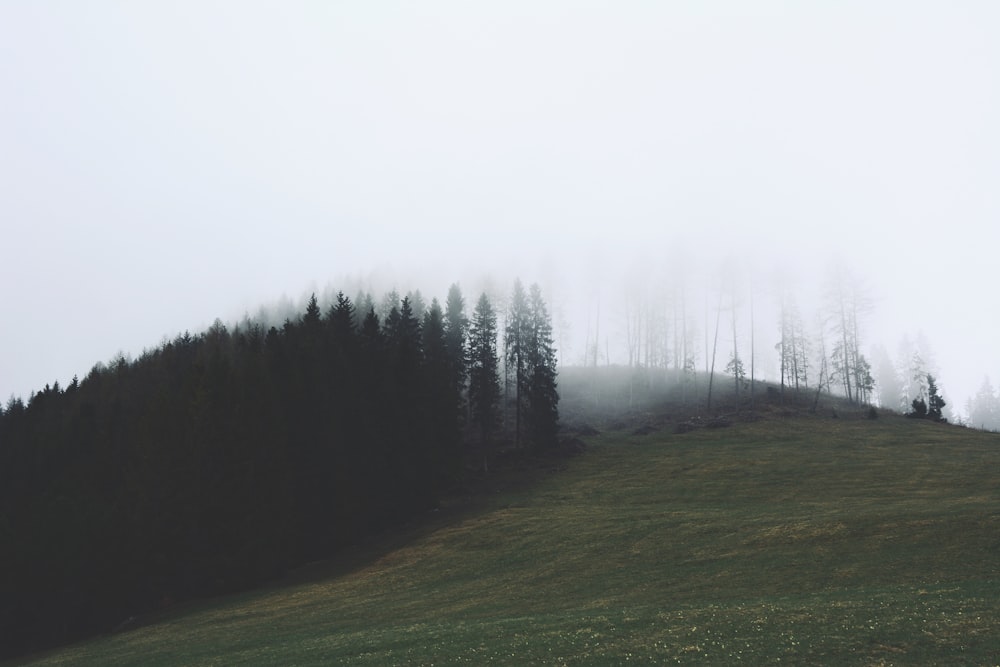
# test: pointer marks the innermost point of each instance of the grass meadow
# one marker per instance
(788, 540)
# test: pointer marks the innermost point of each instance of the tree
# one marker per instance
(824, 372)
(793, 346)
(543, 397)
(935, 402)
(456, 330)
(847, 302)
(736, 369)
(342, 318)
(516, 345)
(918, 376)
(484, 379)
(312, 316)
(442, 397)
(863, 381)
(389, 301)
(737, 363)
(363, 303)
(930, 408)
(715, 346)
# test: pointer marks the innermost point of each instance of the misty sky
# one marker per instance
(166, 163)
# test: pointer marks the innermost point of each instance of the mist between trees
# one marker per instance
(737, 326)
(216, 461)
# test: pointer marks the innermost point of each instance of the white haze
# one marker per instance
(166, 163)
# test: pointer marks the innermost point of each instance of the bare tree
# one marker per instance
(848, 301)
(824, 375)
(715, 345)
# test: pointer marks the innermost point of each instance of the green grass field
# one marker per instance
(802, 540)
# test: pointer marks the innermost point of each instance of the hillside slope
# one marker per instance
(806, 539)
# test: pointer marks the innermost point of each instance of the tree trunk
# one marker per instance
(752, 350)
(715, 345)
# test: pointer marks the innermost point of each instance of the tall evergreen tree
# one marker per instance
(456, 330)
(363, 303)
(417, 304)
(312, 315)
(484, 378)
(935, 402)
(442, 399)
(390, 301)
(848, 302)
(407, 400)
(404, 334)
(342, 318)
(542, 396)
(516, 342)
(371, 330)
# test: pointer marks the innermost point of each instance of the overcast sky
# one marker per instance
(166, 163)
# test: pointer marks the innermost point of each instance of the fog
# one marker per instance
(165, 164)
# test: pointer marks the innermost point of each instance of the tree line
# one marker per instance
(671, 330)
(217, 461)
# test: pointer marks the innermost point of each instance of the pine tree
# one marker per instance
(442, 397)
(312, 316)
(456, 330)
(484, 379)
(516, 344)
(417, 304)
(342, 317)
(935, 403)
(542, 395)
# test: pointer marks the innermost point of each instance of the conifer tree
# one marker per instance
(312, 316)
(371, 329)
(935, 403)
(542, 395)
(417, 304)
(516, 341)
(456, 330)
(484, 379)
(442, 398)
(342, 318)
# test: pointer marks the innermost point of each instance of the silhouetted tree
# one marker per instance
(516, 344)
(484, 379)
(456, 330)
(442, 397)
(342, 318)
(417, 304)
(312, 316)
(542, 395)
(935, 403)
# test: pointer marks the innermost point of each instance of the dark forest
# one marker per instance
(218, 461)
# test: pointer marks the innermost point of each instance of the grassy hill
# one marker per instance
(794, 538)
